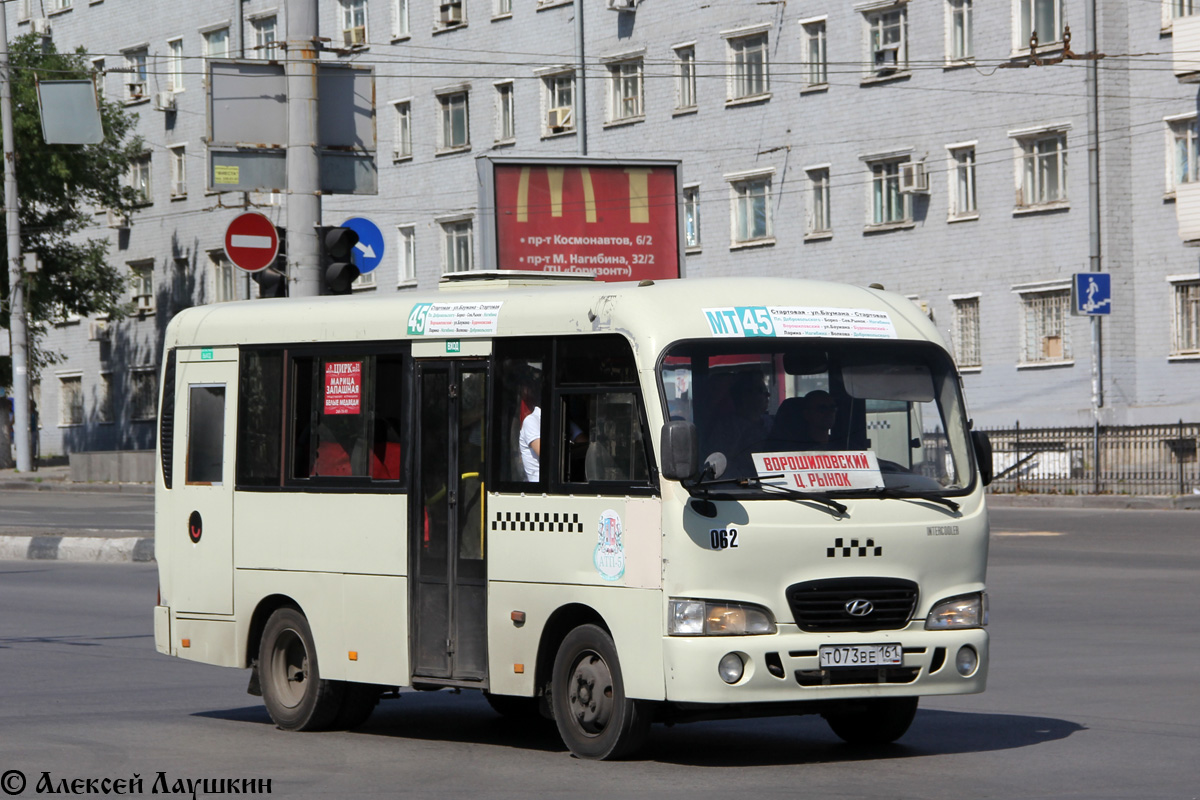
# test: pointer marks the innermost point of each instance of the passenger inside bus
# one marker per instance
(737, 434)
(530, 438)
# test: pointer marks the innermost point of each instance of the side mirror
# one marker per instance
(680, 451)
(983, 455)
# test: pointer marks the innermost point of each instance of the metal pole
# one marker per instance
(1095, 253)
(580, 80)
(303, 163)
(16, 276)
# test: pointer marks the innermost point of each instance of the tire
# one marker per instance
(358, 703)
(292, 689)
(594, 717)
(873, 722)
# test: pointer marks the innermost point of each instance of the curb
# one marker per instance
(94, 549)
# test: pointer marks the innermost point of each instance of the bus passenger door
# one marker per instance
(446, 534)
(201, 530)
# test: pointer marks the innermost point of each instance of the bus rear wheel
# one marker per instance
(594, 717)
(295, 695)
(877, 721)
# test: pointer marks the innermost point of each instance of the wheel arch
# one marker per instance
(258, 621)
(564, 620)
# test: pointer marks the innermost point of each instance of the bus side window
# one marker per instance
(260, 417)
(386, 461)
(206, 434)
(520, 399)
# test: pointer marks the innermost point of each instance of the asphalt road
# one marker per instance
(1093, 694)
(84, 513)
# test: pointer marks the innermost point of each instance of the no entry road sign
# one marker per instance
(251, 242)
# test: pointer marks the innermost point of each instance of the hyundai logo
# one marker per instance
(859, 607)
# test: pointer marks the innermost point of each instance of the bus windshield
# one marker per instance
(830, 416)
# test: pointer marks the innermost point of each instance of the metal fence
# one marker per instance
(1133, 459)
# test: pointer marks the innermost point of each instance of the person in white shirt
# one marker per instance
(531, 444)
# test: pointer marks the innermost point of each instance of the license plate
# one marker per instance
(861, 655)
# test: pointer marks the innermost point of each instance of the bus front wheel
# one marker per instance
(594, 717)
(881, 720)
(295, 695)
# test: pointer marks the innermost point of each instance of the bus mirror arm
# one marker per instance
(680, 452)
(983, 455)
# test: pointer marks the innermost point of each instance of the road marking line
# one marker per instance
(1027, 533)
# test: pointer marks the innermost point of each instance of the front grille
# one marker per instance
(821, 605)
(856, 676)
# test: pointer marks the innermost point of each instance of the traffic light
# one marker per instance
(271, 283)
(340, 271)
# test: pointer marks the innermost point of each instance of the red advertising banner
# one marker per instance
(617, 221)
(343, 387)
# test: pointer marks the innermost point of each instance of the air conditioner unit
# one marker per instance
(913, 178)
(355, 37)
(559, 118)
(452, 14)
(622, 5)
(137, 90)
(39, 26)
(164, 101)
(116, 220)
(887, 59)
(99, 332)
(145, 302)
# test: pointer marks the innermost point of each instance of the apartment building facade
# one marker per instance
(923, 145)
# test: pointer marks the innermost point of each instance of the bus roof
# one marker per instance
(650, 314)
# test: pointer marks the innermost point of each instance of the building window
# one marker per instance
(751, 215)
(748, 67)
(456, 246)
(887, 41)
(406, 250)
(100, 78)
(354, 23)
(1044, 316)
(265, 44)
(178, 170)
(1183, 154)
(1185, 321)
(819, 209)
(815, 64)
(104, 403)
(143, 399)
(142, 285)
(966, 332)
(889, 206)
(364, 282)
(625, 90)
(1041, 17)
(224, 277)
(216, 43)
(503, 8)
(60, 5)
(175, 65)
(691, 217)
(70, 400)
(560, 103)
(451, 14)
(962, 182)
(139, 179)
(960, 30)
(1174, 9)
(454, 129)
(403, 143)
(1042, 169)
(685, 77)
(135, 76)
(506, 123)
(400, 29)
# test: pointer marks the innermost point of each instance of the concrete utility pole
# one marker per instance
(580, 80)
(303, 161)
(1095, 263)
(16, 277)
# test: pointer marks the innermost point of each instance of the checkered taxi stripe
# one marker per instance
(536, 521)
(854, 548)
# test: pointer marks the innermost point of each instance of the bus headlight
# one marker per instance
(711, 618)
(964, 611)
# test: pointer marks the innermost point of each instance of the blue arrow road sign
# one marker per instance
(369, 250)
(1093, 293)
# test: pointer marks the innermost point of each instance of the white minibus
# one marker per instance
(609, 504)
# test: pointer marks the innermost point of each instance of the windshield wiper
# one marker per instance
(752, 482)
(890, 492)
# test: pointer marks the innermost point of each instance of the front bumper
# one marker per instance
(784, 667)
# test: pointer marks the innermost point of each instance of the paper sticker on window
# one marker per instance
(820, 472)
(343, 387)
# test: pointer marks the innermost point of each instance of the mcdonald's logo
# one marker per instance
(638, 191)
